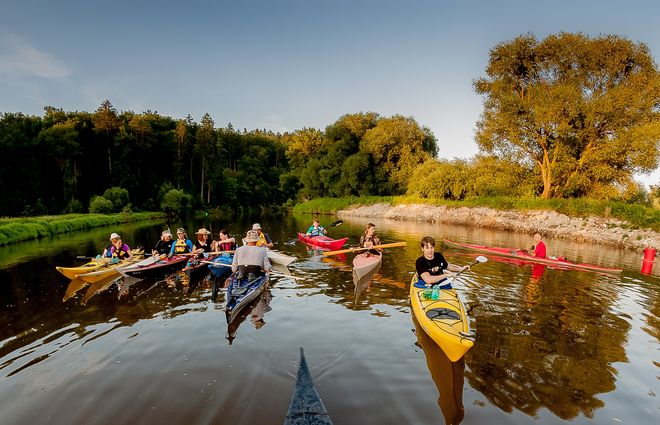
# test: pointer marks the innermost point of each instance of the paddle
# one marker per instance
(343, 251)
(209, 253)
(271, 272)
(84, 257)
(479, 259)
(333, 224)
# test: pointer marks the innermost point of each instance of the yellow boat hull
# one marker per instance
(72, 272)
(445, 320)
(106, 271)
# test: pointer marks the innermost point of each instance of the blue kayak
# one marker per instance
(306, 407)
(241, 291)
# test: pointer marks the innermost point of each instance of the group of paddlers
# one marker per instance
(248, 259)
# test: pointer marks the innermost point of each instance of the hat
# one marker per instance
(166, 233)
(181, 229)
(202, 231)
(256, 226)
(251, 236)
(114, 236)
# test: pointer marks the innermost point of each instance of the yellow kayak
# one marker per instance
(444, 320)
(107, 270)
(72, 272)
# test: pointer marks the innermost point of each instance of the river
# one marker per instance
(553, 346)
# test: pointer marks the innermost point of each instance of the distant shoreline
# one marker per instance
(606, 231)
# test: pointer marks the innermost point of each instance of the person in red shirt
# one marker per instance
(538, 250)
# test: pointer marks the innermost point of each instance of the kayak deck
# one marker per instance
(362, 264)
(524, 256)
(241, 292)
(306, 407)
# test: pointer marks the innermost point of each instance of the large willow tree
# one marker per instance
(583, 111)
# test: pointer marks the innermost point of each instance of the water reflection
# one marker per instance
(552, 345)
(448, 376)
(100, 286)
(554, 350)
(255, 310)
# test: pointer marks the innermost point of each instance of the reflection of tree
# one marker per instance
(448, 377)
(556, 354)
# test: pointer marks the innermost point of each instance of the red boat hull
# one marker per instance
(524, 256)
(323, 241)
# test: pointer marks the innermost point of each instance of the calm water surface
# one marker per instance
(553, 346)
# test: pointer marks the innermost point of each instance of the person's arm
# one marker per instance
(456, 268)
(426, 277)
(172, 248)
(269, 242)
(325, 232)
(128, 251)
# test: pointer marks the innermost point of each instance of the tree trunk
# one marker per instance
(201, 186)
(546, 174)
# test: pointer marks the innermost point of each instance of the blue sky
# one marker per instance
(284, 65)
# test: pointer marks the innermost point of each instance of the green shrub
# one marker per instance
(118, 196)
(100, 205)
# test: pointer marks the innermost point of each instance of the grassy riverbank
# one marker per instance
(14, 230)
(638, 216)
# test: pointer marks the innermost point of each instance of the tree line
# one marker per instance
(566, 117)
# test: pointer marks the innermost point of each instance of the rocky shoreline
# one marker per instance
(606, 231)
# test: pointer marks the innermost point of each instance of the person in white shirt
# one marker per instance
(251, 258)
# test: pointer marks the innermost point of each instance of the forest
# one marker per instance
(564, 117)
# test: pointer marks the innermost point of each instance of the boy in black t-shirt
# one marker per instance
(432, 268)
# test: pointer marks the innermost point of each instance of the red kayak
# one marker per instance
(323, 241)
(525, 256)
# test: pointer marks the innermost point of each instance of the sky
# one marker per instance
(283, 65)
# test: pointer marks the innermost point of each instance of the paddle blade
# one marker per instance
(481, 259)
(336, 223)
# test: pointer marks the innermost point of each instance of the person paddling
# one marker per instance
(202, 244)
(538, 249)
(264, 239)
(316, 229)
(164, 244)
(250, 259)
(369, 239)
(182, 244)
(432, 268)
(225, 243)
(119, 249)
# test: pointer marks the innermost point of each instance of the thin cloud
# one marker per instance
(19, 59)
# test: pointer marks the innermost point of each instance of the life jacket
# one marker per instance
(119, 253)
(316, 231)
(181, 247)
(227, 246)
(262, 239)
